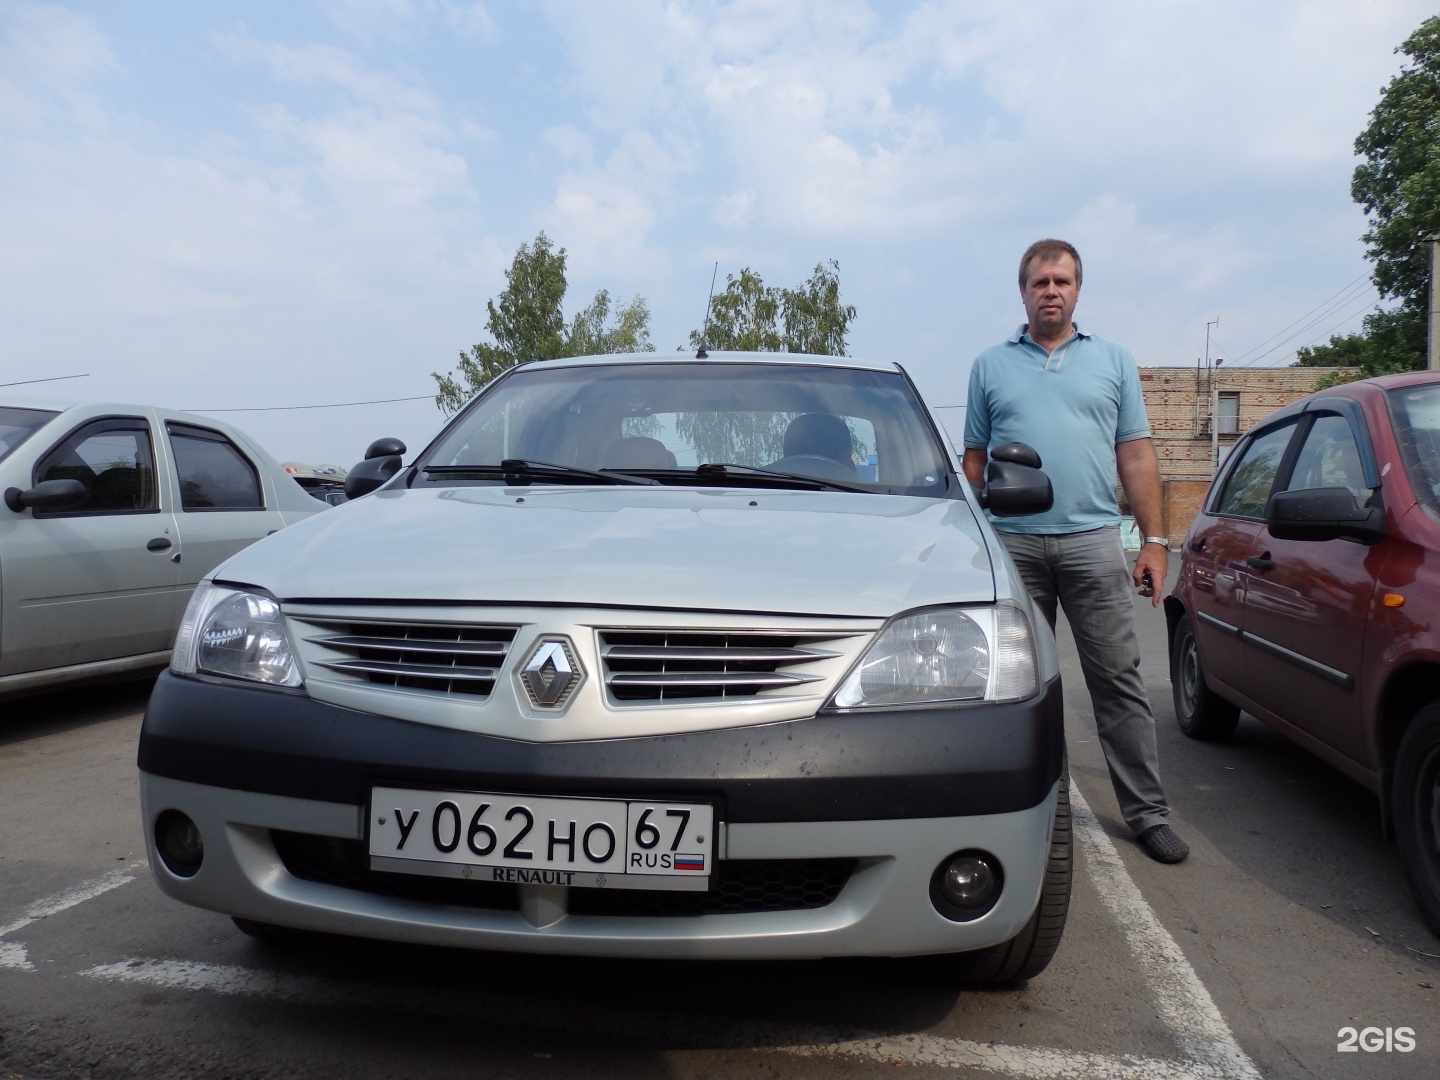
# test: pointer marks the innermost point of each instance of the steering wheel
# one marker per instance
(822, 468)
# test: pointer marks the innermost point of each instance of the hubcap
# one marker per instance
(1189, 676)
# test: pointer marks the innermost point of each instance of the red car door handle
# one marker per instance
(1197, 545)
(1261, 562)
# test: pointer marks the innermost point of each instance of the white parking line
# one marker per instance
(13, 954)
(1027, 1062)
(1208, 1049)
(510, 1010)
(1185, 1004)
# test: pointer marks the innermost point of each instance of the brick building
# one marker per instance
(1178, 402)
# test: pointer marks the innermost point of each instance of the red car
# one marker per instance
(1308, 593)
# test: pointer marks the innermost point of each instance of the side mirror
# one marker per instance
(390, 447)
(369, 475)
(1017, 453)
(48, 495)
(1324, 514)
(1014, 484)
(382, 461)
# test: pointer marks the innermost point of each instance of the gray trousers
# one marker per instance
(1088, 575)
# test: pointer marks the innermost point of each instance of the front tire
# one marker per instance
(1029, 952)
(1201, 713)
(1415, 800)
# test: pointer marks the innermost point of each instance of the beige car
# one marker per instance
(111, 514)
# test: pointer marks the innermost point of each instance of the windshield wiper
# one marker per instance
(726, 470)
(515, 468)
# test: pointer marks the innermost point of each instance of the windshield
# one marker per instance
(17, 425)
(1415, 411)
(856, 428)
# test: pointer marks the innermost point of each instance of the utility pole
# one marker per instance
(1214, 401)
(1433, 352)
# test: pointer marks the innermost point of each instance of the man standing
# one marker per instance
(1076, 399)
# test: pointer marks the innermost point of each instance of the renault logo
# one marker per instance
(552, 674)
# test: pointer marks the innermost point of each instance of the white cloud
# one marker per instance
(604, 211)
(292, 207)
(840, 122)
(332, 66)
(334, 236)
(50, 61)
(1108, 230)
(733, 210)
(404, 20)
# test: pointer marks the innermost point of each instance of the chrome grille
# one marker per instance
(662, 665)
(445, 657)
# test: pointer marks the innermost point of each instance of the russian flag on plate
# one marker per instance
(690, 862)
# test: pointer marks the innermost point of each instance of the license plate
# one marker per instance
(530, 840)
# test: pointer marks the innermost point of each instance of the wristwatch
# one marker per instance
(1163, 541)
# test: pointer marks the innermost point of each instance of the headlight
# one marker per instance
(944, 655)
(237, 634)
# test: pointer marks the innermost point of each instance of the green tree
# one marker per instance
(750, 316)
(589, 336)
(1392, 340)
(528, 323)
(1398, 184)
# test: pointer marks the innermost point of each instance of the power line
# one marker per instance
(336, 405)
(1306, 323)
(1327, 333)
(1281, 333)
(52, 379)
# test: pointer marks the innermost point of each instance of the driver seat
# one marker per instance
(818, 435)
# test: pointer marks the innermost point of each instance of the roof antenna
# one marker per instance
(700, 353)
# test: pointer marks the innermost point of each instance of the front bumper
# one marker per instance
(893, 793)
(882, 910)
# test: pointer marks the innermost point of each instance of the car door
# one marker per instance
(1307, 601)
(220, 499)
(95, 582)
(1223, 540)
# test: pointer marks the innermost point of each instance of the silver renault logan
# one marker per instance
(641, 657)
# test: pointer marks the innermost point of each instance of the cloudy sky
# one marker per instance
(267, 205)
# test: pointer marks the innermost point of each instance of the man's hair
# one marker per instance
(1048, 251)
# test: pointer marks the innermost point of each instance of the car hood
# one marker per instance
(818, 553)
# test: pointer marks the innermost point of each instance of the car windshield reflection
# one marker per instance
(676, 423)
(1416, 414)
(17, 425)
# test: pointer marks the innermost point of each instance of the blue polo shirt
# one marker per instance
(1072, 406)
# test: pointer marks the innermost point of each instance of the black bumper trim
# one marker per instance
(945, 762)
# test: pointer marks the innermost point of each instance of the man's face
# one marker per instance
(1050, 294)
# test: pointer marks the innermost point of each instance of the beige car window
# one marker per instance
(114, 463)
(213, 474)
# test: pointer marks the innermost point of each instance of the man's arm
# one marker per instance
(1140, 476)
(973, 465)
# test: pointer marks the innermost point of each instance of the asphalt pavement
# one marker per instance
(1289, 924)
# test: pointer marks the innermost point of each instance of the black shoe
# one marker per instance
(1162, 845)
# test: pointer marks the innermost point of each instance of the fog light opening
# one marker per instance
(177, 839)
(966, 885)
